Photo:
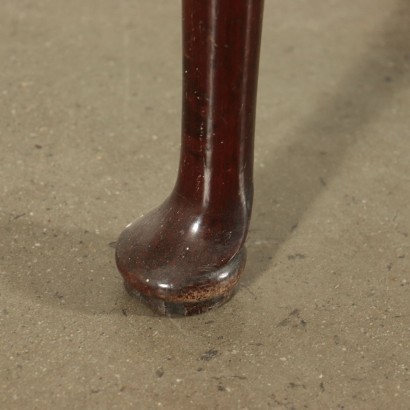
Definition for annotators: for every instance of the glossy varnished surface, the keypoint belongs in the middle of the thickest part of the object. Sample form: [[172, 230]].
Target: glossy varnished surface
[[186, 256]]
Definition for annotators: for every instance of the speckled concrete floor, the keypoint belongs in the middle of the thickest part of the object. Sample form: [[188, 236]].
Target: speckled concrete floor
[[89, 132]]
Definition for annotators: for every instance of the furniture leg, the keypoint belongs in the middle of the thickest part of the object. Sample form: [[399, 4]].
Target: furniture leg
[[186, 256]]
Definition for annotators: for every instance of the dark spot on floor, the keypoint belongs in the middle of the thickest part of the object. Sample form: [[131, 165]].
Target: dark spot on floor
[[293, 320], [322, 181], [209, 354], [239, 377], [293, 227], [293, 385]]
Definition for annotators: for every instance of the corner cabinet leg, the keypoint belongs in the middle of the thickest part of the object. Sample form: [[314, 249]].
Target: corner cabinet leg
[[185, 257]]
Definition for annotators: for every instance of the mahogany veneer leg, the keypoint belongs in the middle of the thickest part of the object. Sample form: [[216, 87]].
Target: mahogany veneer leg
[[185, 256]]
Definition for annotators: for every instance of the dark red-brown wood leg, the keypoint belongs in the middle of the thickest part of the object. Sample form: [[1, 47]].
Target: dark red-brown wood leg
[[186, 256]]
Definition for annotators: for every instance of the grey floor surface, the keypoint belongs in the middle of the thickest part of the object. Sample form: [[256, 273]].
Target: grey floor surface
[[89, 135]]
